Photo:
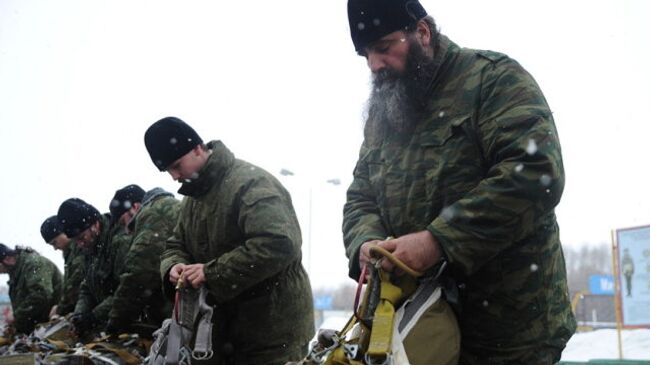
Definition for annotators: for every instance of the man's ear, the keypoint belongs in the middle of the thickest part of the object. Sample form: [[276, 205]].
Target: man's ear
[[197, 150], [423, 33]]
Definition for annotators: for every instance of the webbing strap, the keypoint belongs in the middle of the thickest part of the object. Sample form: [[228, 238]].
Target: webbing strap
[[203, 340], [125, 355], [60, 345], [382, 324], [174, 343]]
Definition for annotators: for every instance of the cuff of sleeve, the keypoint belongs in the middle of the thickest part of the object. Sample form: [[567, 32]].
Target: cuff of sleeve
[[438, 228], [353, 254]]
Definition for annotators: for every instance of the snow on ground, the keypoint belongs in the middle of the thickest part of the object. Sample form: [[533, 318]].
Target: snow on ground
[[603, 344]]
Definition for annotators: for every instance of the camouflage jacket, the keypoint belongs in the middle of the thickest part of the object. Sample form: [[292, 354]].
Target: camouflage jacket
[[483, 173], [101, 271], [239, 221], [34, 287], [139, 294], [73, 275]]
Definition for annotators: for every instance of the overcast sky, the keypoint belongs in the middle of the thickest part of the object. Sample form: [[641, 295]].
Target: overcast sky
[[280, 84]]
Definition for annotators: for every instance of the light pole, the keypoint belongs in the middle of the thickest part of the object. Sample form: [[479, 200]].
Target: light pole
[[333, 181]]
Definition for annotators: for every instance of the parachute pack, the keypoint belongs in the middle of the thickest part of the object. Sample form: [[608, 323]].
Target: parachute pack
[[402, 320], [188, 334], [185, 337], [55, 343]]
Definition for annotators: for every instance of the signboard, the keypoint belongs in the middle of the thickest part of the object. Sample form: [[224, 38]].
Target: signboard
[[323, 302], [601, 284], [632, 251]]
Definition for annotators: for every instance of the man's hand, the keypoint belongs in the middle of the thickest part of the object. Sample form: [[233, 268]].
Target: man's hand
[[53, 313], [175, 273], [419, 251], [364, 252], [194, 275]]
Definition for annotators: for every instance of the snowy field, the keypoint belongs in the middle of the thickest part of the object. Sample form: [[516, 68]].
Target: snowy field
[[603, 344]]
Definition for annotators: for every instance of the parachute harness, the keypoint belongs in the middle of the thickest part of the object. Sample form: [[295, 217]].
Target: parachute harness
[[366, 337]]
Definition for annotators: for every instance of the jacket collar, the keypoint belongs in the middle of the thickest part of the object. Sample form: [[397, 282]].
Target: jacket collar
[[442, 59], [212, 173], [149, 197]]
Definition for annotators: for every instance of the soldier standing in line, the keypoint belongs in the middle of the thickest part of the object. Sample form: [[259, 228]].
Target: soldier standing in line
[[139, 297], [73, 258], [34, 286], [461, 162], [238, 235], [93, 233]]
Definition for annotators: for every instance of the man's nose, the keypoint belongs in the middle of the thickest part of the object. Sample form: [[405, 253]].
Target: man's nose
[[375, 62], [175, 175]]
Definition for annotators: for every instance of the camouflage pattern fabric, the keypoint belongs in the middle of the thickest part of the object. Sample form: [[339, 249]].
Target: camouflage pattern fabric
[[101, 274], [73, 275], [35, 285], [239, 221], [483, 173], [139, 294]]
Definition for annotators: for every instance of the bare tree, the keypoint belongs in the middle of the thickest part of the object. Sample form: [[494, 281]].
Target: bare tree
[[584, 261]]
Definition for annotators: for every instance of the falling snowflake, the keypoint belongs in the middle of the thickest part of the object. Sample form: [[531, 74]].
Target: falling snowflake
[[531, 149], [441, 114], [376, 22], [534, 267], [545, 180], [173, 140], [519, 168], [447, 213], [361, 26]]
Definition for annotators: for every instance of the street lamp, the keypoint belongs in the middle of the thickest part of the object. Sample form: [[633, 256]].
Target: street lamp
[[333, 181]]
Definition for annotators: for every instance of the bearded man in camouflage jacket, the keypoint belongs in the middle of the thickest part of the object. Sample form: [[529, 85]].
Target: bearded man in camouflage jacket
[[238, 235], [461, 162]]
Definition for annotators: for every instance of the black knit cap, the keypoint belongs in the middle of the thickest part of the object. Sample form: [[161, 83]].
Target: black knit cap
[[370, 20], [51, 228], [75, 215], [6, 251], [169, 139], [124, 199]]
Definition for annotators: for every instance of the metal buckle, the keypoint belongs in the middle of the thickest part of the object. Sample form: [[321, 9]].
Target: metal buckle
[[351, 350], [319, 356], [386, 361], [200, 355]]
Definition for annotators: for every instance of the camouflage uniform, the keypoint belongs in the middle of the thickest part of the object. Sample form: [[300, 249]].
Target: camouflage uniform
[[238, 220], [139, 294], [34, 287], [483, 173], [102, 268], [73, 275]]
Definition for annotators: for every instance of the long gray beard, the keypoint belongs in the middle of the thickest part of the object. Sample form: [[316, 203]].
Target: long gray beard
[[397, 101], [389, 104]]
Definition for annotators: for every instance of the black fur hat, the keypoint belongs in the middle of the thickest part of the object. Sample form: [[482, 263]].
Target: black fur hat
[[370, 20], [75, 215], [51, 228], [169, 139]]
